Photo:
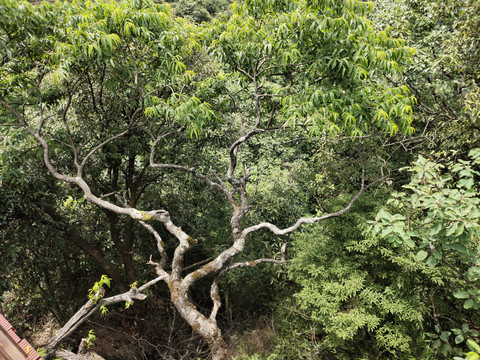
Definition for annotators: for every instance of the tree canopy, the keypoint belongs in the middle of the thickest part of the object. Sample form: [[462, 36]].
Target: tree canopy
[[150, 143]]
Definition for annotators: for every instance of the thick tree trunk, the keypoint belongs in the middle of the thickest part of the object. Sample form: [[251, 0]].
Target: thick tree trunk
[[207, 328], [219, 348]]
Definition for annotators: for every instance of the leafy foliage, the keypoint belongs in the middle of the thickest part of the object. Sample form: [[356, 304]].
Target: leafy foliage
[[323, 61], [200, 10], [103, 82], [441, 76], [355, 296], [433, 229], [443, 222]]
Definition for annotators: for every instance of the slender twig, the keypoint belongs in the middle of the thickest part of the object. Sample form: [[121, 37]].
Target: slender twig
[[312, 220], [160, 244], [98, 147]]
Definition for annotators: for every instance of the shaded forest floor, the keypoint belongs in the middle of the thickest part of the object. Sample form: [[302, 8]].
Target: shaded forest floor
[[153, 330]]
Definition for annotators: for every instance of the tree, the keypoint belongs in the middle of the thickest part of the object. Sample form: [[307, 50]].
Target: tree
[[431, 229], [355, 302], [95, 84], [465, 22], [441, 79]]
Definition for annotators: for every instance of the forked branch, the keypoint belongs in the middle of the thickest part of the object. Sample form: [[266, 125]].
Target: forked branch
[[214, 290]]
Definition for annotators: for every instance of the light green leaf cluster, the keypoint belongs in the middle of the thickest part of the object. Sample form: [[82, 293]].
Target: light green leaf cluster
[[186, 110], [91, 339], [104, 280], [444, 219], [97, 29], [326, 59], [139, 47], [354, 292]]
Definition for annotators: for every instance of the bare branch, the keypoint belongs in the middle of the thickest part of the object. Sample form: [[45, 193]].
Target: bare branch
[[291, 65], [137, 72], [68, 355], [67, 128], [234, 150], [255, 129], [303, 220], [197, 264], [215, 296], [16, 114], [254, 263], [217, 264], [11, 125], [91, 307], [160, 244], [186, 241], [194, 172], [214, 290], [311, 220], [240, 70], [92, 93], [99, 146], [42, 141], [219, 186]]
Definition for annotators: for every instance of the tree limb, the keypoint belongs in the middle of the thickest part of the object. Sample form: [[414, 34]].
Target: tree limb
[[160, 244], [214, 290], [92, 306]]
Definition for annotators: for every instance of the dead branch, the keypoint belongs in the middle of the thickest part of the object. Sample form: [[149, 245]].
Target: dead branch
[[91, 307]]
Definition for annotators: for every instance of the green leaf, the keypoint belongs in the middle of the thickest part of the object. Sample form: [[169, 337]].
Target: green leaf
[[474, 153], [468, 304], [432, 261], [473, 345], [444, 349], [382, 214], [472, 356], [105, 280], [410, 243], [459, 338], [445, 335], [460, 229], [461, 294], [473, 273], [465, 183], [435, 229], [421, 255], [451, 229], [437, 254]]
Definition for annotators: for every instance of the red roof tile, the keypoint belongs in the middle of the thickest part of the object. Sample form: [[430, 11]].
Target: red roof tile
[[12, 345]]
